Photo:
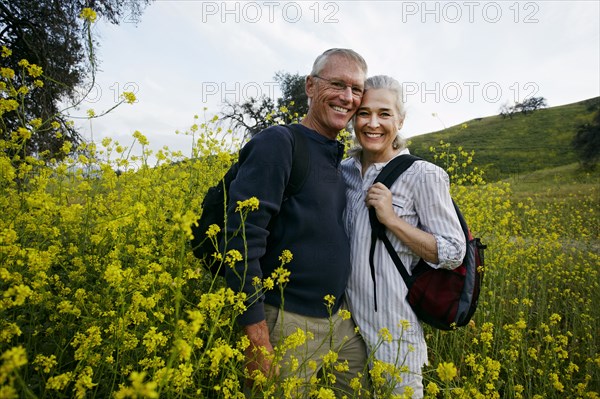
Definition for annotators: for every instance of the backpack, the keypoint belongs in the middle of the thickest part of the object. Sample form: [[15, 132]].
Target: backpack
[[214, 204], [442, 298]]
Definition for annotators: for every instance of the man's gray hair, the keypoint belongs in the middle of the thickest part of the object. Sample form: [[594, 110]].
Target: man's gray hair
[[352, 55]]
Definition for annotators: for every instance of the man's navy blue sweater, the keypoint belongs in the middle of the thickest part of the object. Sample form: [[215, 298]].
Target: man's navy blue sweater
[[308, 223]]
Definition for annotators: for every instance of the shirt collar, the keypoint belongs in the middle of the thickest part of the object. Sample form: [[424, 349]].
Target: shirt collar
[[378, 165]]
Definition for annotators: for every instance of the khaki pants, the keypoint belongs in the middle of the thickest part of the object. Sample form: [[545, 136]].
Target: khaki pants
[[304, 362]]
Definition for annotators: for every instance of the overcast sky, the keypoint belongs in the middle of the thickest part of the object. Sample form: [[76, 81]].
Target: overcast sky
[[458, 60]]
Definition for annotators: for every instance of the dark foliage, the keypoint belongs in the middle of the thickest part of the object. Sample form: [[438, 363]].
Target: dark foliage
[[586, 142], [255, 114], [50, 34], [526, 107]]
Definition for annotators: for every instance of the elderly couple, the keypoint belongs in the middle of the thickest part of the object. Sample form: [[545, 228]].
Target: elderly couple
[[326, 227]]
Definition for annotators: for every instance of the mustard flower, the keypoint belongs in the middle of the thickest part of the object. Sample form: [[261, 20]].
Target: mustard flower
[[66, 147], [16, 295], [23, 133], [84, 383], [8, 331], [446, 371], [59, 382], [250, 204], [268, 283], [129, 97], [88, 15], [12, 359], [356, 383], [286, 256], [487, 334], [153, 340], [281, 275], [555, 319], [232, 257], [218, 354], [6, 52], [344, 314], [213, 230], [330, 357], [138, 388], [404, 325], [140, 137], [184, 350], [8, 105], [386, 335], [34, 70], [7, 73], [85, 342], [36, 123], [325, 393], [329, 299], [556, 382], [342, 367], [432, 389], [296, 339]]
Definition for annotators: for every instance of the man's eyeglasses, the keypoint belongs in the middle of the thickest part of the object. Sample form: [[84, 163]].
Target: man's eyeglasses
[[339, 85]]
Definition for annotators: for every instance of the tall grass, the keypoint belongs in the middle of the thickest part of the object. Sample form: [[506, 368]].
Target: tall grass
[[102, 297]]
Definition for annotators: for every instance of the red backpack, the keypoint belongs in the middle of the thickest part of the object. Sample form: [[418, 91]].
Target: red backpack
[[442, 298]]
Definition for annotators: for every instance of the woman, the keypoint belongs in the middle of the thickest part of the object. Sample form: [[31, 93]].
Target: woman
[[421, 223]]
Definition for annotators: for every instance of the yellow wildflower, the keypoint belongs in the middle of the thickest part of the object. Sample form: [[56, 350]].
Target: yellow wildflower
[[446, 371], [251, 204], [7, 73], [344, 314], [233, 256], [89, 15], [281, 275], [432, 389], [129, 97], [213, 230], [286, 256], [140, 137], [329, 299], [386, 335]]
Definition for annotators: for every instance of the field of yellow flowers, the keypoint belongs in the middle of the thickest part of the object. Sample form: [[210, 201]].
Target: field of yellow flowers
[[101, 296]]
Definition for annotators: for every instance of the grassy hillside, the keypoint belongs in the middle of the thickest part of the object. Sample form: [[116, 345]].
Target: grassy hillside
[[507, 147], [567, 182]]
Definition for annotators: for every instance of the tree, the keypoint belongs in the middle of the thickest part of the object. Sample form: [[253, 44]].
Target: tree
[[50, 34], [251, 116], [256, 114], [586, 142], [293, 93], [507, 111], [530, 105], [526, 107]]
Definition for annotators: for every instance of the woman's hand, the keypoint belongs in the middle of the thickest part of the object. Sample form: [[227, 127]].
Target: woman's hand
[[420, 242], [380, 198]]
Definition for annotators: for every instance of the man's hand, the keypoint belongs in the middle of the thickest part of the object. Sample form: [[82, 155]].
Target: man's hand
[[259, 354]]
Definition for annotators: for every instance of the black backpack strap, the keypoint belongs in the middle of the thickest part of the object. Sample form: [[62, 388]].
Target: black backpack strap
[[300, 162], [388, 175]]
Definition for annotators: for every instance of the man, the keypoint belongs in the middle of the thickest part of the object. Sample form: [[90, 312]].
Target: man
[[309, 224]]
